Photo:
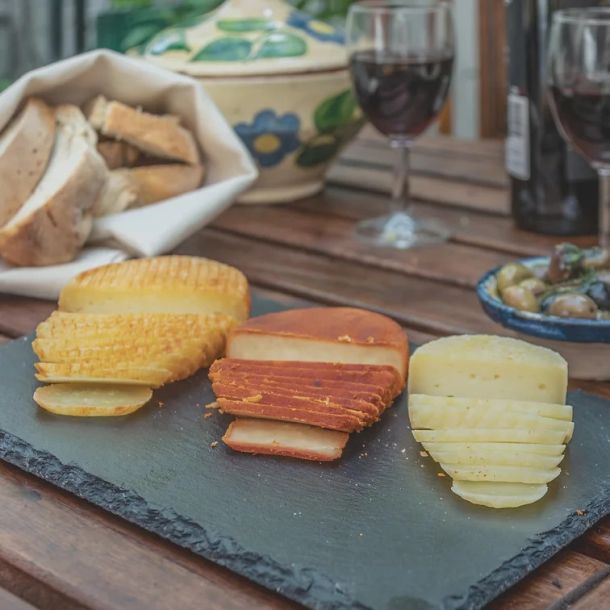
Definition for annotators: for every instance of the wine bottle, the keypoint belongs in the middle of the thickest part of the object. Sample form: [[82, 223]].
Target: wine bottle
[[553, 189]]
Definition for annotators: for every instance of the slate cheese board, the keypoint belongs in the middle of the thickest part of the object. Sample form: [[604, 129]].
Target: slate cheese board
[[376, 530]]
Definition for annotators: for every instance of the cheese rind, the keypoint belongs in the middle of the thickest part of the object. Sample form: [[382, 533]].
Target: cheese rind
[[485, 366]]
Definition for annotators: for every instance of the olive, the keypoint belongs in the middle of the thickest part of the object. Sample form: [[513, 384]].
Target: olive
[[535, 285], [572, 305], [600, 293], [512, 274], [520, 298], [566, 262], [597, 258]]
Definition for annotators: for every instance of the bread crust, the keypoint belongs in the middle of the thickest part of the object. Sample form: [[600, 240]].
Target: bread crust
[[118, 154], [156, 135], [55, 232], [154, 183], [25, 158]]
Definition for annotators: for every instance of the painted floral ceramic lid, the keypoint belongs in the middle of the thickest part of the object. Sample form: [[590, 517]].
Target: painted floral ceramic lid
[[249, 38]]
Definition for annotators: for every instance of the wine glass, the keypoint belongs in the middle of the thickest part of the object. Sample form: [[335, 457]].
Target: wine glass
[[401, 58], [579, 92]]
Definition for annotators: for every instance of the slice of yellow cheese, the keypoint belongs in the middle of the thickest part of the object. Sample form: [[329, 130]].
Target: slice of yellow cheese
[[500, 474], [498, 495], [555, 411], [485, 366]]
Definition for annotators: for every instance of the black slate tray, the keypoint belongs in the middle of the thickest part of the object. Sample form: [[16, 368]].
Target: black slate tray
[[377, 530]]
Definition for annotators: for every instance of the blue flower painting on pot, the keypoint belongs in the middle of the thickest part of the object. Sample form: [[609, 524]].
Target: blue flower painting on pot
[[270, 137]]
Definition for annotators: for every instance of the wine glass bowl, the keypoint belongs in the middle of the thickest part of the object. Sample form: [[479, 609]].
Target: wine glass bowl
[[579, 91], [401, 59]]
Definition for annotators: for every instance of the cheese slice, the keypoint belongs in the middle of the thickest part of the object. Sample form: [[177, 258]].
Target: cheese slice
[[490, 435], [437, 418], [322, 334], [285, 439], [486, 404], [164, 284], [537, 448], [496, 457], [485, 366], [499, 495], [501, 474]]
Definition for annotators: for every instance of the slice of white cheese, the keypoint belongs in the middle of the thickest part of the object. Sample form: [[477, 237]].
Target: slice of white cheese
[[490, 435], [537, 448], [496, 457], [498, 495], [501, 474], [439, 418], [544, 409], [485, 366]]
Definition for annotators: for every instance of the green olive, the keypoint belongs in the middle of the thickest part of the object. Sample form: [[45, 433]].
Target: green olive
[[597, 258], [573, 305], [535, 285], [512, 274], [520, 298]]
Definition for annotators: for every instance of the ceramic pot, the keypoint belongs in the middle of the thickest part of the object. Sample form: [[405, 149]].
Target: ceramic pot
[[281, 79]]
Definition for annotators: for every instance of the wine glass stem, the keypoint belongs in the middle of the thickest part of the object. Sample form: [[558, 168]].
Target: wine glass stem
[[401, 200], [604, 207]]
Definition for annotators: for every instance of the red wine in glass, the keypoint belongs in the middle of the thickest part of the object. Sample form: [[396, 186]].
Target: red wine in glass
[[401, 96], [584, 115]]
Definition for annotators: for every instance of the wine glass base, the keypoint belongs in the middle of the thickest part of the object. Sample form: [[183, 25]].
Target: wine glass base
[[401, 231]]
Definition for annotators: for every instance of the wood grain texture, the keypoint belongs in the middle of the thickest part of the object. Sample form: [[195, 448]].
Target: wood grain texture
[[549, 583], [59, 552], [77, 556]]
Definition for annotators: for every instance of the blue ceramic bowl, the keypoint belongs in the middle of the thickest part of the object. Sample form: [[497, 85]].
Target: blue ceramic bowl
[[538, 325]]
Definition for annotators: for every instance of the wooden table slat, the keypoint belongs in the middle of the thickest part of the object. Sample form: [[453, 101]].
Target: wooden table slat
[[550, 582], [457, 264], [474, 228]]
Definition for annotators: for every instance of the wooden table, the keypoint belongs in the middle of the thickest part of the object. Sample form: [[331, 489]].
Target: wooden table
[[59, 552]]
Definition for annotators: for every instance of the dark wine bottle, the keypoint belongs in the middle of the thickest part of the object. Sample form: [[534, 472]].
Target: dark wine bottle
[[553, 189]]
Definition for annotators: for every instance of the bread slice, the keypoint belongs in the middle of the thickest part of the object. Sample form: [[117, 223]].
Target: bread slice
[[165, 284], [53, 224], [25, 148], [154, 183], [322, 334], [159, 136], [116, 196], [285, 439], [118, 154]]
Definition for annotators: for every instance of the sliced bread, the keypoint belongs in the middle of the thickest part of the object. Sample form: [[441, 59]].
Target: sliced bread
[[25, 148], [154, 183], [116, 196], [118, 154], [158, 136], [55, 221]]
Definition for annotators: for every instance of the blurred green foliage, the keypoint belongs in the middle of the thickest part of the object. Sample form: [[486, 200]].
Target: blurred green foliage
[[133, 23]]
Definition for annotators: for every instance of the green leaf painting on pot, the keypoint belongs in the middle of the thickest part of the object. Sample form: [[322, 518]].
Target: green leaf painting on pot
[[337, 119]]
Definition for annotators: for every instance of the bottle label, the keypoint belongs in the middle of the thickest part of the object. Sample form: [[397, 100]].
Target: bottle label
[[518, 140]]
